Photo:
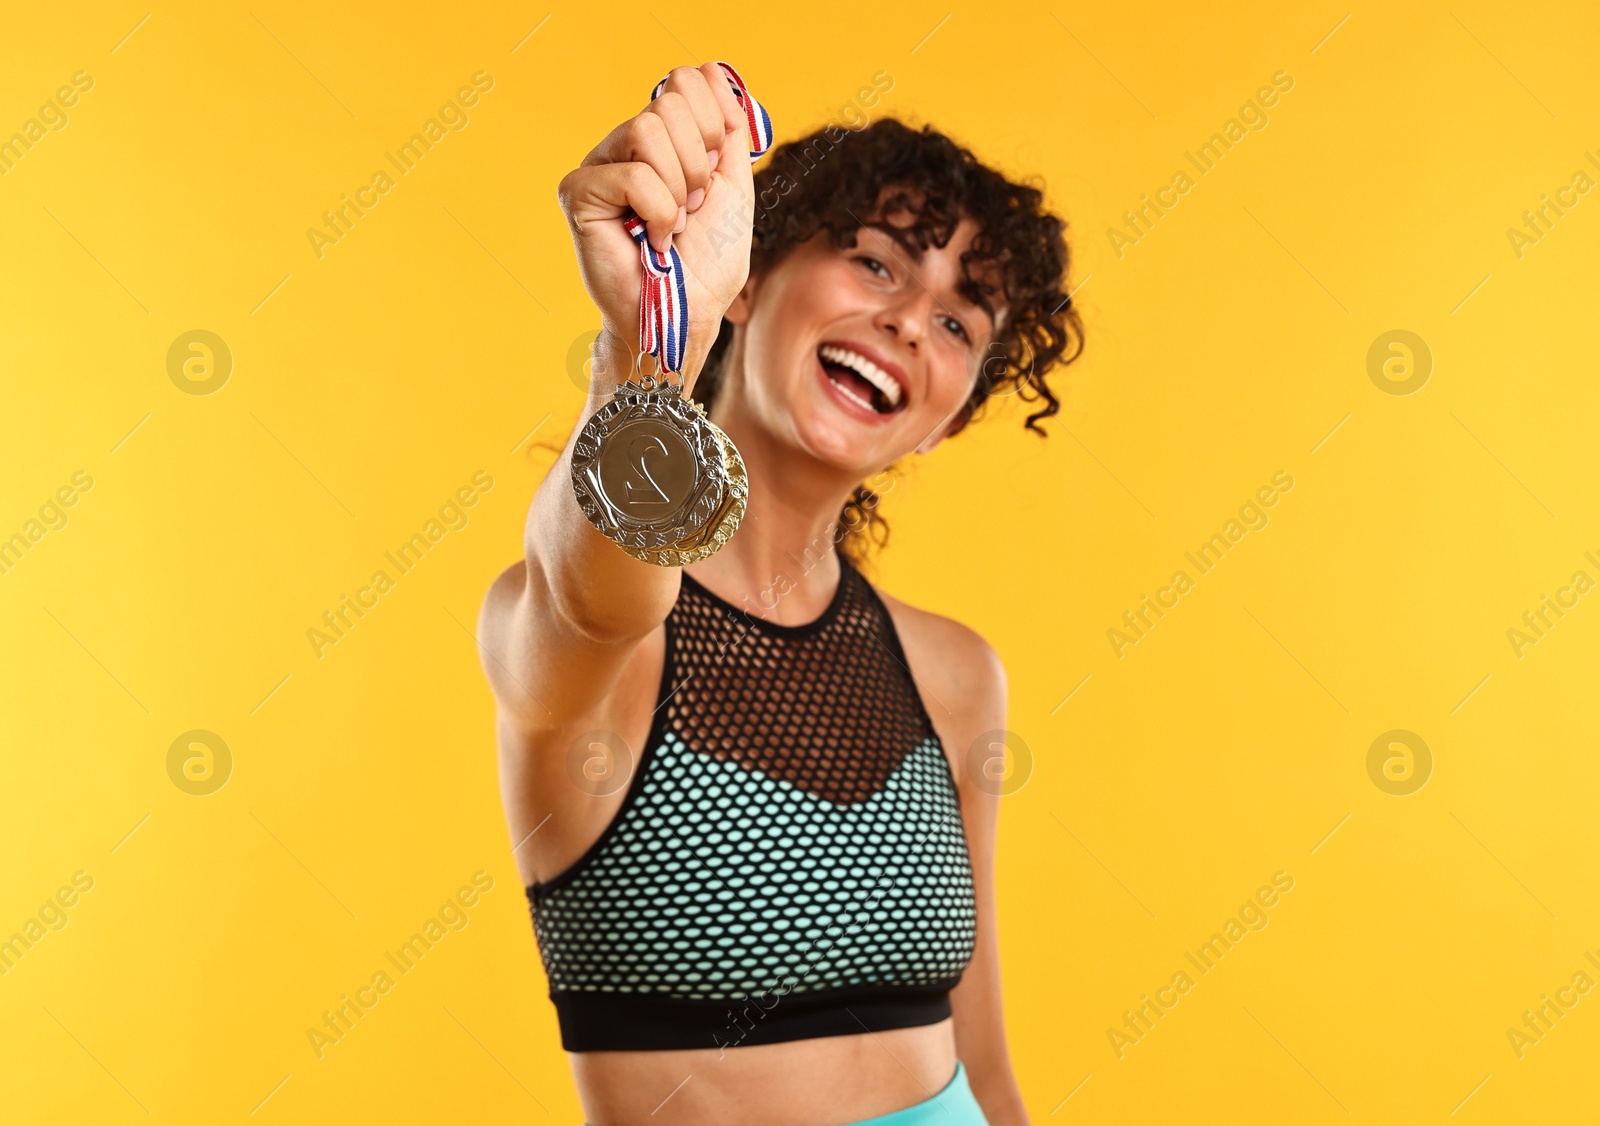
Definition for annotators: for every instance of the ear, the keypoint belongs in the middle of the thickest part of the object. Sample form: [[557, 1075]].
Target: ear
[[739, 311]]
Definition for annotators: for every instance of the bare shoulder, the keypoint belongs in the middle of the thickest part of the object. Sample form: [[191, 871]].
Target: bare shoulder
[[955, 656], [496, 620], [961, 677], [503, 593]]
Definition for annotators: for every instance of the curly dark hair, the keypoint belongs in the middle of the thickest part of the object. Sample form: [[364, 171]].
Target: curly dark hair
[[839, 180]]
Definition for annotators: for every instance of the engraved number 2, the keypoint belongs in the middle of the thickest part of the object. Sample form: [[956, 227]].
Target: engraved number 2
[[637, 452]]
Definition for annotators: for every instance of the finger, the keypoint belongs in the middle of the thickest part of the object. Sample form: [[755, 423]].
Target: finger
[[692, 84], [607, 191], [734, 152], [643, 138], [674, 111]]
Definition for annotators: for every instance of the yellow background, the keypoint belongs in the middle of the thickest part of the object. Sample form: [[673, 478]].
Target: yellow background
[[370, 384]]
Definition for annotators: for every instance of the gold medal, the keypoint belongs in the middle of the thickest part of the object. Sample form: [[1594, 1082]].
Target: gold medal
[[724, 522], [653, 474]]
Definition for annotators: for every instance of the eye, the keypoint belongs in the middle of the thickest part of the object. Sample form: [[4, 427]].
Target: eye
[[957, 327], [873, 264]]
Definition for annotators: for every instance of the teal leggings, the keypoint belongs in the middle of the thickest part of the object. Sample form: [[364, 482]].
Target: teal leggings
[[953, 1106]]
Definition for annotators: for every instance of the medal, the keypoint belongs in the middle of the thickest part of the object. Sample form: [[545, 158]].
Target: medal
[[650, 471], [653, 474]]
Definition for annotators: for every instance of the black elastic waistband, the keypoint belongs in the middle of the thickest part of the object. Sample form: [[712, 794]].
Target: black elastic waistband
[[625, 1022]]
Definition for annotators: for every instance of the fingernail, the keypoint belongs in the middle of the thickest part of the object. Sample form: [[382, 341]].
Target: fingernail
[[683, 221], [696, 197], [712, 157]]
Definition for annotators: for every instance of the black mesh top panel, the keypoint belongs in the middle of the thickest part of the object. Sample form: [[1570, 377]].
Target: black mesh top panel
[[789, 860]]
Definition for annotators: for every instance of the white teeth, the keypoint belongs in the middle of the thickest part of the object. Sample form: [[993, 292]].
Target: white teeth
[[865, 368]]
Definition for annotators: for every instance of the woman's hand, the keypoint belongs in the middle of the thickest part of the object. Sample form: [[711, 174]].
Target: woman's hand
[[683, 165]]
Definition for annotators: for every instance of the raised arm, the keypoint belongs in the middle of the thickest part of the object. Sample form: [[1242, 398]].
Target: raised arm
[[558, 628]]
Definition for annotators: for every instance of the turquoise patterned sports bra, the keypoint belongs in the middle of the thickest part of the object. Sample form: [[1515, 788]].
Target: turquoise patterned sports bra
[[789, 860]]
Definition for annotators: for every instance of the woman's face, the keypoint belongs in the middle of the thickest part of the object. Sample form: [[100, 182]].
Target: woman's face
[[860, 355]]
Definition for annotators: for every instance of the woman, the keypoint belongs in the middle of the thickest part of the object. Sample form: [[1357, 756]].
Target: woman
[[775, 904]]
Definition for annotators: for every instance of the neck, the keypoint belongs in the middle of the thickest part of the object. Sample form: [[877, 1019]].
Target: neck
[[782, 564]]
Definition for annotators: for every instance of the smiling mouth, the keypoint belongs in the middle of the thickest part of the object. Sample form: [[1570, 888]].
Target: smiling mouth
[[860, 380]]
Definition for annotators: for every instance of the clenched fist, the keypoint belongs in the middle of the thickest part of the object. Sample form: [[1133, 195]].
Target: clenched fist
[[683, 165]]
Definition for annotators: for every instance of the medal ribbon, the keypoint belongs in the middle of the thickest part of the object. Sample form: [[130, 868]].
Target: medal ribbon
[[663, 299]]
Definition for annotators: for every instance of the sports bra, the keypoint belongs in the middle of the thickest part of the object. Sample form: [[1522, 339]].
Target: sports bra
[[789, 860]]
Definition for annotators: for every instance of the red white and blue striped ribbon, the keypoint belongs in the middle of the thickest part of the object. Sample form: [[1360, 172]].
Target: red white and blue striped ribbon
[[663, 299]]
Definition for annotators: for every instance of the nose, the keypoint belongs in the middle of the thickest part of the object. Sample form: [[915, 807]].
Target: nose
[[908, 319]]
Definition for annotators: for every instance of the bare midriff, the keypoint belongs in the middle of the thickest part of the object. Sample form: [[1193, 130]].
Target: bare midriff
[[822, 1081]]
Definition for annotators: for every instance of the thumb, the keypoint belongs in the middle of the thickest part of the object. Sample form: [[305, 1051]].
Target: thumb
[[739, 120]]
